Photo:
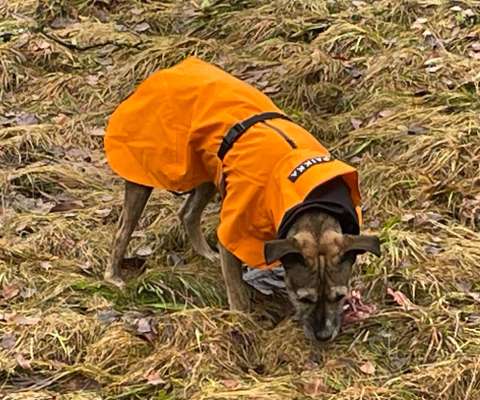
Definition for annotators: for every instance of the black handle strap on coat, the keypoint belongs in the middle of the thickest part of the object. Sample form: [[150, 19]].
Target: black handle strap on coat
[[240, 128]]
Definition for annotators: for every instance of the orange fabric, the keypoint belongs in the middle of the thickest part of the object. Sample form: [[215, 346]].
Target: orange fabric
[[167, 134]]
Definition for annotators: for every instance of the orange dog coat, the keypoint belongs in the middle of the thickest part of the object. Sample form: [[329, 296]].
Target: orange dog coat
[[167, 135]]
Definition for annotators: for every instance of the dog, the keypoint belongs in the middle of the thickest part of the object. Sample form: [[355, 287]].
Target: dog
[[285, 200]]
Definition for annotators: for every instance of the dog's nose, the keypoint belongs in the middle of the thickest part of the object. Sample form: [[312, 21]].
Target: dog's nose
[[323, 335]]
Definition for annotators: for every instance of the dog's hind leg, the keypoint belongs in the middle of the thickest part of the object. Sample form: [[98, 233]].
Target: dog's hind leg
[[135, 199], [191, 213], [238, 293]]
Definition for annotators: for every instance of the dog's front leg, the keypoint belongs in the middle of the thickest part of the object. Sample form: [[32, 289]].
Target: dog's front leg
[[135, 199], [238, 293]]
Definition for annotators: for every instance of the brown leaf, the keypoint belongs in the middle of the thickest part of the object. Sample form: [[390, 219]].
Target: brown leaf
[[46, 265], [26, 119], [368, 368], [154, 378], [386, 113], [144, 251], [10, 291], [401, 299], [407, 217], [315, 387], [230, 383], [92, 80], [418, 24], [416, 130], [8, 341], [434, 68], [97, 132], [67, 205], [355, 309], [22, 361], [23, 320], [136, 11], [42, 44], [60, 119], [475, 55], [356, 123], [142, 27], [143, 325], [103, 212]]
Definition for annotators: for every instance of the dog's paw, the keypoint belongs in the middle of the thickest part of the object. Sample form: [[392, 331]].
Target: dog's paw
[[114, 280]]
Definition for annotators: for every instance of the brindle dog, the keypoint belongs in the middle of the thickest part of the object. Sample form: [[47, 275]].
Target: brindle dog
[[317, 257]]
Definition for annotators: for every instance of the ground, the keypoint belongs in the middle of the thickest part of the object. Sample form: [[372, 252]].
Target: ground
[[389, 86]]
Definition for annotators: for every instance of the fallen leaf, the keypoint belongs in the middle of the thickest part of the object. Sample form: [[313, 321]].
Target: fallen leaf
[[144, 251], [120, 28], [368, 368], [418, 23], [22, 361], [86, 267], [60, 22], [60, 119], [23, 227], [433, 69], [475, 46], [67, 205], [10, 291], [407, 217], [230, 383], [356, 123], [401, 299], [433, 249], [463, 286], [103, 212], [355, 73], [475, 55], [8, 341], [92, 80], [386, 113], [27, 293], [42, 44], [174, 260], [136, 11], [456, 9], [315, 387], [355, 309], [469, 13], [154, 378], [416, 130], [26, 119], [23, 320], [97, 132], [143, 325], [108, 316], [46, 265], [142, 27]]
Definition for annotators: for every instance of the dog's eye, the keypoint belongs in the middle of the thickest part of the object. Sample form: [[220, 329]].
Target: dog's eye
[[339, 297], [306, 300]]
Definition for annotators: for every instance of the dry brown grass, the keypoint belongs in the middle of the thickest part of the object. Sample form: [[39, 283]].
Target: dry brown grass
[[390, 86]]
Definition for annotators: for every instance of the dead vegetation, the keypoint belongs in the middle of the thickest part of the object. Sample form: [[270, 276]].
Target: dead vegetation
[[390, 86]]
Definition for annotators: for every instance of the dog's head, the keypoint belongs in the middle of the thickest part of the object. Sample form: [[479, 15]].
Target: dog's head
[[318, 261]]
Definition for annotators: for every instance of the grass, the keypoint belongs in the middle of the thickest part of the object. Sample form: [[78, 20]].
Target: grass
[[390, 86]]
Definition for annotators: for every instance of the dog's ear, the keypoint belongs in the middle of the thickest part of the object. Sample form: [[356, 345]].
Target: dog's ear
[[276, 249], [361, 243]]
